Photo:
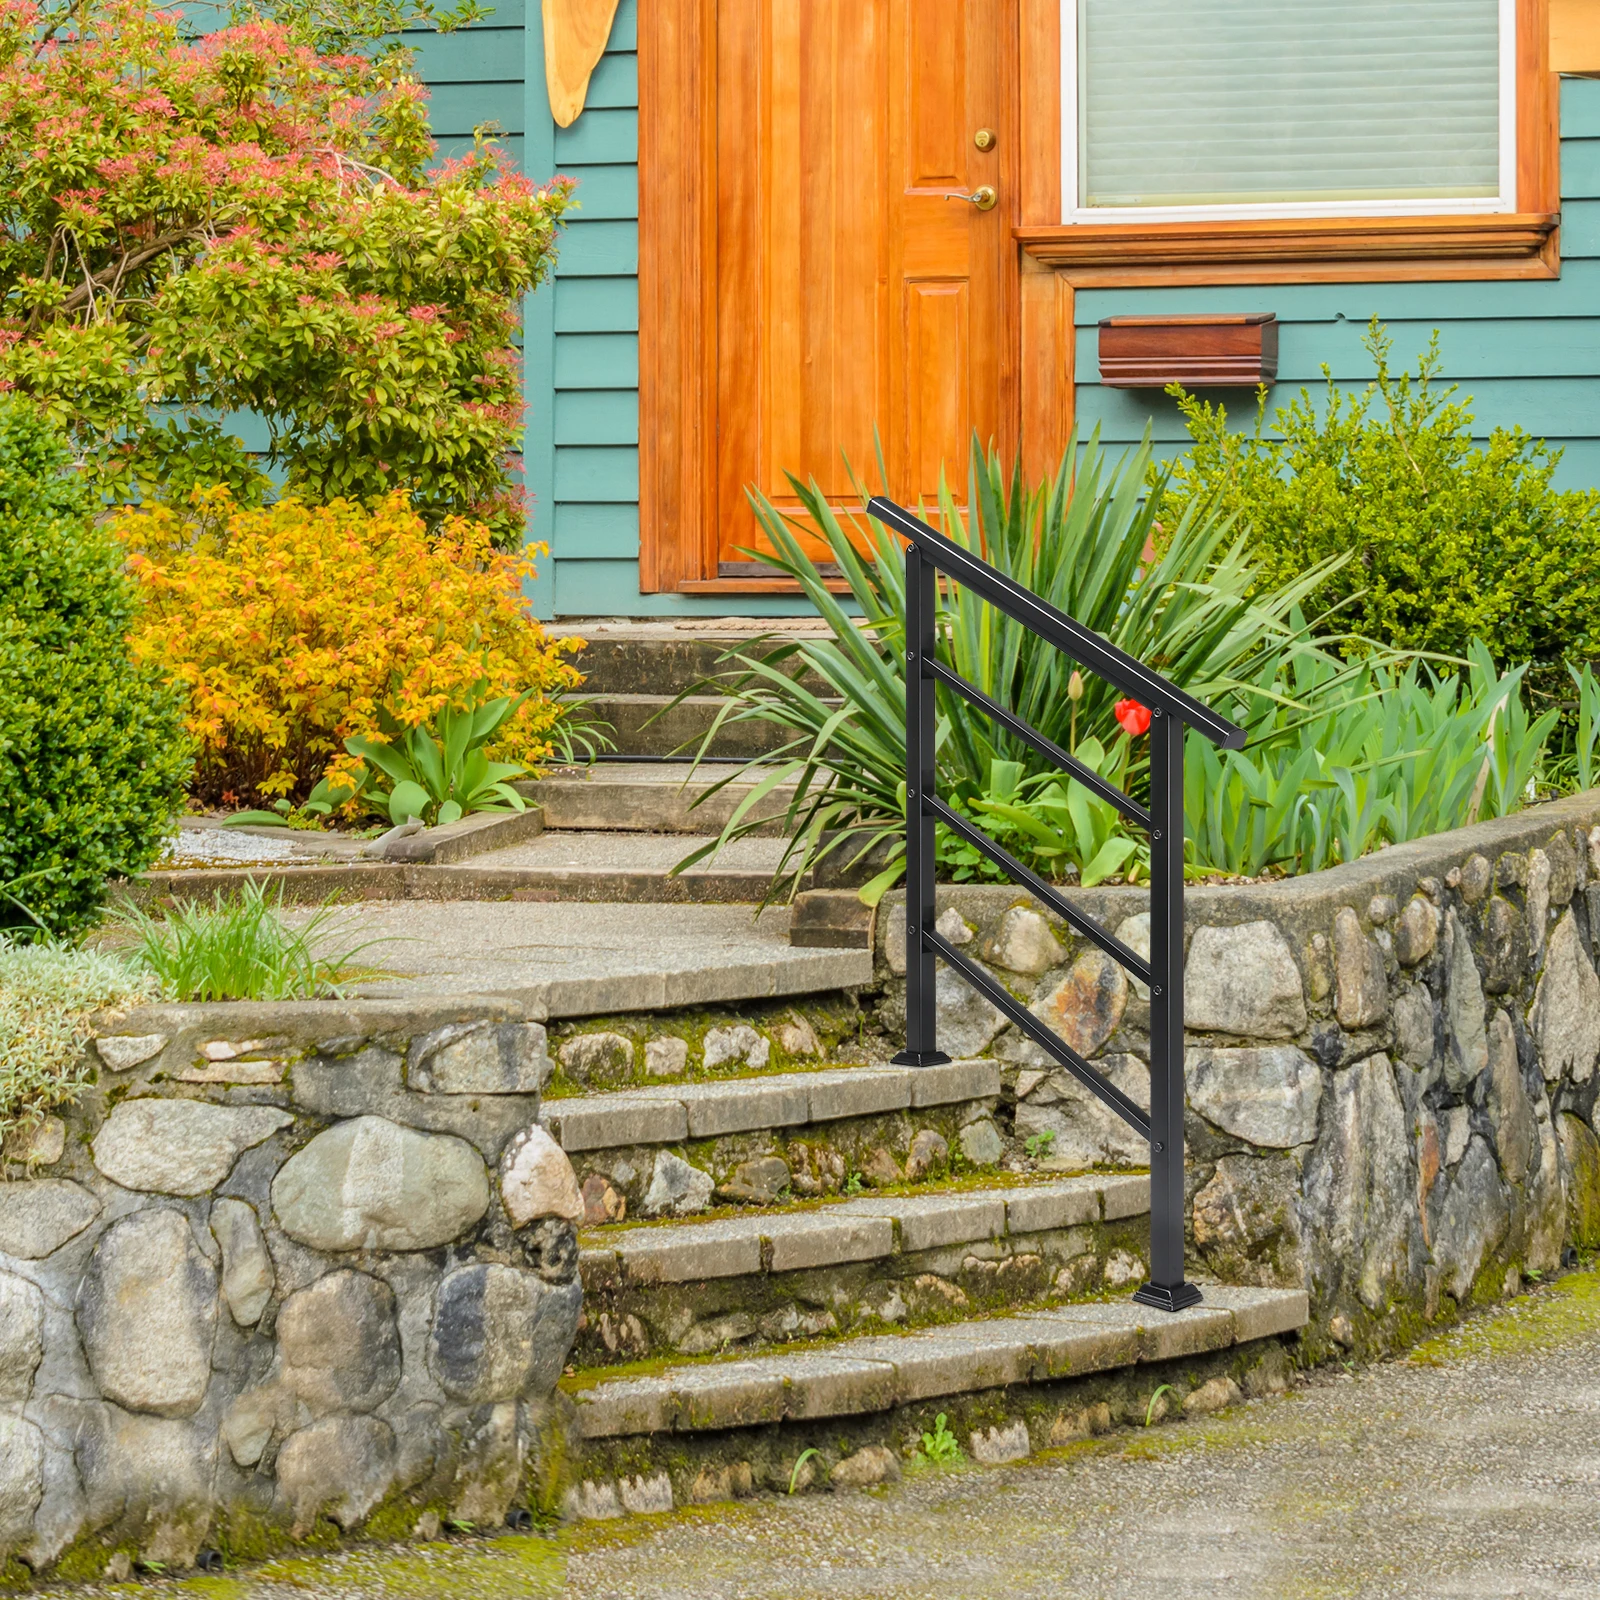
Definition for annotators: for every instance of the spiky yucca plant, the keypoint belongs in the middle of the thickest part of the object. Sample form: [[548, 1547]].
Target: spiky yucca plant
[[1179, 598]]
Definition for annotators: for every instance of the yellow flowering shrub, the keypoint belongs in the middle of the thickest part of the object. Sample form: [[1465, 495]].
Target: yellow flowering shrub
[[289, 627]]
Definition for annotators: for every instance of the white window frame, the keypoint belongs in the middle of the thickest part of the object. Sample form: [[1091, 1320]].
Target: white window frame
[[1071, 113]]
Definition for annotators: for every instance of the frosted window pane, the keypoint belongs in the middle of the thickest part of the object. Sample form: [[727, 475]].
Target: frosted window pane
[[1230, 102]]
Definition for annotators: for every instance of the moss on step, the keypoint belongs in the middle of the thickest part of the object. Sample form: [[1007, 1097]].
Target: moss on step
[[972, 1180], [1060, 1413], [838, 1023], [758, 1313]]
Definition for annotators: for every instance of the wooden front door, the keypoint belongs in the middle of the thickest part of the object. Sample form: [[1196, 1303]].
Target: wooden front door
[[850, 293]]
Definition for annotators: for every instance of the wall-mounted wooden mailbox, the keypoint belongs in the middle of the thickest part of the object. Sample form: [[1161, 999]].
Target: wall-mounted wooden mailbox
[[1238, 349]]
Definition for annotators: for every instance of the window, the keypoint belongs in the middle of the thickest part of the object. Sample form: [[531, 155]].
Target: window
[[1184, 109]]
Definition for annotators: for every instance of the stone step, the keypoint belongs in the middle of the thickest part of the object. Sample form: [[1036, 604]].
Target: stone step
[[665, 658], [885, 1261], [568, 866], [660, 725], [672, 1114], [615, 865], [667, 1150], [1003, 1387], [648, 797], [590, 960]]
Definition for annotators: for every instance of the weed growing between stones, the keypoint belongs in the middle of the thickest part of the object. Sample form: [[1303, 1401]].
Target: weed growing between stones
[[48, 992], [941, 1447], [804, 1456], [1150, 1412]]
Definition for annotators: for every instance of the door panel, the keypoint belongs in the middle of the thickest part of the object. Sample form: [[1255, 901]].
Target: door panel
[[937, 417], [852, 295]]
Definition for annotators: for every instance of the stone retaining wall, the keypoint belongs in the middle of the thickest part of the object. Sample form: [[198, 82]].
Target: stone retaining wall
[[286, 1270], [282, 1268], [1391, 1064]]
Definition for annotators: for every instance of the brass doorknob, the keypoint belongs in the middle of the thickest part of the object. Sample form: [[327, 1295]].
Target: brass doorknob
[[983, 197]]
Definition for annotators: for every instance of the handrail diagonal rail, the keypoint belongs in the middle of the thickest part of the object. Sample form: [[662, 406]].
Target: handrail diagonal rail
[[1086, 775], [1129, 960], [928, 553], [1050, 1042]]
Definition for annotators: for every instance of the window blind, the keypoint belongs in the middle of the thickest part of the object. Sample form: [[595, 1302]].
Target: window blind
[[1230, 102]]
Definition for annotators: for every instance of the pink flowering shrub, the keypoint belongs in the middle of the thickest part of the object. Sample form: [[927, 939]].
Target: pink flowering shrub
[[240, 222]]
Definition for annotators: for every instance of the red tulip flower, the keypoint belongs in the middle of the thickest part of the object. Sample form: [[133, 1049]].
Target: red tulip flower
[[1135, 718]]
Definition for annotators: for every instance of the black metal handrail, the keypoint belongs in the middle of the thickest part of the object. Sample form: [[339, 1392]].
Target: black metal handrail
[[928, 553]]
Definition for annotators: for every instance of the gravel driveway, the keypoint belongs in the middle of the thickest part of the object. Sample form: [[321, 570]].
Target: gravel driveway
[[1472, 1469]]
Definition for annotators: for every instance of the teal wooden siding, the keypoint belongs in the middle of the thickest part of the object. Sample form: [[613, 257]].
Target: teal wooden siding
[[582, 351], [1525, 354], [475, 77]]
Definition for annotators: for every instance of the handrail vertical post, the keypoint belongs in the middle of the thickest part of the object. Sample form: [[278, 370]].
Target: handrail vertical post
[[1167, 1288], [922, 1040]]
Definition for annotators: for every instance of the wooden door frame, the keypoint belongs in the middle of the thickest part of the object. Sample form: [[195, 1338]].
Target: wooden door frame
[[677, 324], [677, 258], [678, 544]]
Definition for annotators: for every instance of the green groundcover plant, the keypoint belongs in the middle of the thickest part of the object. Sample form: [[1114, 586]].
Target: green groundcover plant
[[1451, 541], [93, 753], [48, 993], [242, 947]]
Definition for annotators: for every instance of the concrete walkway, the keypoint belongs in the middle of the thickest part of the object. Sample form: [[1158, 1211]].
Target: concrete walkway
[[1471, 1470], [583, 959]]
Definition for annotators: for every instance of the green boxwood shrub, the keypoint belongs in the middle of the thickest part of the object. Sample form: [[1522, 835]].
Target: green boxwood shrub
[[1451, 540], [93, 752]]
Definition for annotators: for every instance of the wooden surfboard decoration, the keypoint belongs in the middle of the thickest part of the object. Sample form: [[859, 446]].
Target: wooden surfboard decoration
[[575, 34]]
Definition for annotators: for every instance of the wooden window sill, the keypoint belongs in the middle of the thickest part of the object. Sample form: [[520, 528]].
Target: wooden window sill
[[1296, 250]]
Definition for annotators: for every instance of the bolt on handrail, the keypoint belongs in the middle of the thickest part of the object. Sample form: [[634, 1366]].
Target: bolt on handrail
[[928, 553]]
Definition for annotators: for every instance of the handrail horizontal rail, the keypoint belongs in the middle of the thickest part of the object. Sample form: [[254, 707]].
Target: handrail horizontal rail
[[1079, 643], [1087, 776], [1128, 959], [1049, 1041]]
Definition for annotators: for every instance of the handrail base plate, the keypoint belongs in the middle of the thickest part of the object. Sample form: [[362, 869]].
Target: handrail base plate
[[920, 1058], [1164, 1298]]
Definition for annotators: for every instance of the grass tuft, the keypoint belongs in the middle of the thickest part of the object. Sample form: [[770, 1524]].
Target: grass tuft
[[239, 948]]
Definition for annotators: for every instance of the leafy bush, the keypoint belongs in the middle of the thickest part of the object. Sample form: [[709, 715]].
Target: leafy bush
[[1347, 766], [48, 992], [240, 223], [93, 754], [240, 948], [1451, 542], [293, 628], [1197, 612]]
